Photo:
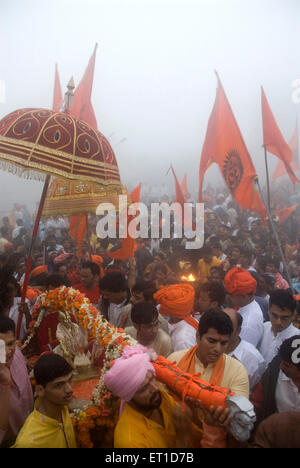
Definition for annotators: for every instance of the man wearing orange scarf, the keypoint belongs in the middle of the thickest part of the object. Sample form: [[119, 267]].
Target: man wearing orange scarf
[[241, 286], [177, 303], [208, 358]]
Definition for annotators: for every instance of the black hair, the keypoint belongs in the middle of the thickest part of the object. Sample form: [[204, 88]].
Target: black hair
[[91, 266], [273, 261], [216, 319], [54, 280], [113, 281], [4, 231], [215, 290], [148, 288], [7, 324], [287, 350], [144, 313], [283, 299], [50, 367], [239, 320], [39, 280]]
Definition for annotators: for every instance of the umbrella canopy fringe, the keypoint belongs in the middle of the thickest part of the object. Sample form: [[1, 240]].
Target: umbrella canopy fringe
[[29, 175]]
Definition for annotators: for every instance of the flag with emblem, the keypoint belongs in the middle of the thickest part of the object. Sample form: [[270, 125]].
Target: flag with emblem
[[225, 146]]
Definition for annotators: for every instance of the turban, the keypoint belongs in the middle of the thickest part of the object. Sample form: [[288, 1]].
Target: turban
[[61, 258], [128, 372], [97, 259], [177, 301], [39, 270], [239, 282]]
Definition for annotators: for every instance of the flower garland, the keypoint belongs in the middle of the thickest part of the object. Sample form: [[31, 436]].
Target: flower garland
[[71, 301]]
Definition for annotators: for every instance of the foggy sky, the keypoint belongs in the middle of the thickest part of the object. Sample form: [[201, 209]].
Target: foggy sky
[[154, 81]]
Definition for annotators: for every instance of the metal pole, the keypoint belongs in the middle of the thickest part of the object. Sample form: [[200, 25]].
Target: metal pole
[[29, 259], [275, 235]]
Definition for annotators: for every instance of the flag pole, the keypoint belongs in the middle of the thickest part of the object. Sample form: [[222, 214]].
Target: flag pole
[[275, 235], [269, 195], [29, 258], [268, 178]]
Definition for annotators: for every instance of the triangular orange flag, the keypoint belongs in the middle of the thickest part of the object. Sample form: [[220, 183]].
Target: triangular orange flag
[[285, 213], [81, 107], [128, 246], [225, 146], [273, 140], [184, 188], [180, 198], [294, 145], [57, 95]]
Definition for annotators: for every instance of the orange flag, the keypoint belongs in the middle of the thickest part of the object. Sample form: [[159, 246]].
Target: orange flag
[[294, 145], [184, 188], [273, 139], [224, 145], [77, 230], [82, 107], [181, 199], [128, 243], [285, 213], [57, 95]]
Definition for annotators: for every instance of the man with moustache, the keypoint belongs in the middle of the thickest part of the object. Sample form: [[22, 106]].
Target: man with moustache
[[16, 398], [50, 425], [149, 416]]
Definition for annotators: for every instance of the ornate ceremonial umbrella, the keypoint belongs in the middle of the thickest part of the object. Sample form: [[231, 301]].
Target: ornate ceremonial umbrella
[[71, 197], [39, 142]]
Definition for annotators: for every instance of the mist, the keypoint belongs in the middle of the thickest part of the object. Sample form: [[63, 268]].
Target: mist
[[154, 83]]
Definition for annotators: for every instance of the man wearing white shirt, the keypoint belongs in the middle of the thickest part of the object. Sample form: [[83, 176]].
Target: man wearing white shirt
[[243, 351], [241, 287], [279, 388], [282, 313]]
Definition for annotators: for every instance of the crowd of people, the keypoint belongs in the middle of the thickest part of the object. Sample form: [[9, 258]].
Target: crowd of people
[[229, 311]]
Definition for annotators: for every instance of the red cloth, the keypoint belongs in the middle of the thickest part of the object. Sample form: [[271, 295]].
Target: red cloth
[[293, 144], [46, 334], [92, 294]]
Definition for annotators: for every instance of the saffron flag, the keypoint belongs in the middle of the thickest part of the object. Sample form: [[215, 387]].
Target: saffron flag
[[184, 188], [81, 107], [294, 145], [224, 145], [128, 243], [273, 140], [181, 199], [57, 95], [77, 230], [285, 213]]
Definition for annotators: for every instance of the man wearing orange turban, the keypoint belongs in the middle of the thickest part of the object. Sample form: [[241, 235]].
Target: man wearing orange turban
[[177, 303], [240, 287]]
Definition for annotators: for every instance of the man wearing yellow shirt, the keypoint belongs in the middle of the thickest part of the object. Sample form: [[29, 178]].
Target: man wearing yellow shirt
[[206, 263], [209, 359], [50, 425], [150, 417]]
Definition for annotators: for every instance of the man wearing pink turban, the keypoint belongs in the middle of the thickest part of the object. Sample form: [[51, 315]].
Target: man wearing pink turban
[[149, 416]]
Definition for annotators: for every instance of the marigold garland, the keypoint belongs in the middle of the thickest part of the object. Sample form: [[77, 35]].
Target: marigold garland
[[102, 411]]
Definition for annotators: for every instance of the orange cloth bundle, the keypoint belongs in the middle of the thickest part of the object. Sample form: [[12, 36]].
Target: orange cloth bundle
[[177, 301], [190, 385], [239, 282]]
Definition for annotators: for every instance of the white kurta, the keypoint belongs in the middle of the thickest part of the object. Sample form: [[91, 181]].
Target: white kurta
[[252, 360], [270, 343], [253, 323], [182, 334], [287, 395]]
